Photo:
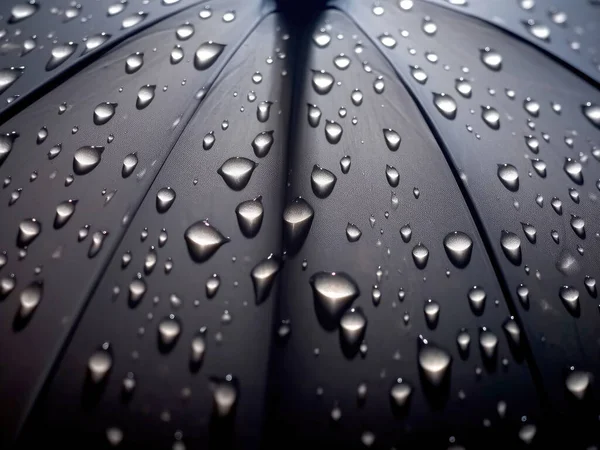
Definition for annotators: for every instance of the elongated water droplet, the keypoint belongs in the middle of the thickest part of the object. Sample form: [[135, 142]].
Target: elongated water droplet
[[6, 144], [137, 289], [64, 211], [420, 255], [322, 181], [29, 229], [334, 293], [458, 247], [353, 233], [357, 97], [104, 112], [508, 175], [198, 348], [463, 87], [262, 143], [532, 143], [573, 169], [129, 164], [250, 216], [177, 54], [432, 313], [463, 341], [345, 164], [145, 96], [207, 54], [203, 240], [314, 115], [578, 226], [30, 298], [491, 58], [212, 285], [578, 383], [531, 106], [225, 395], [406, 232], [133, 20], [263, 110], [418, 74], [434, 364], [445, 104], [488, 342], [512, 330], [263, 275], [164, 199], [333, 131], [100, 363], [169, 330], [392, 139], [590, 285], [539, 166], [491, 117], [134, 62], [570, 298], [477, 298], [322, 81], [537, 29], [98, 238], [95, 41], [8, 77], [591, 111], [22, 11], [379, 85], [392, 175], [400, 393], [86, 159], [523, 294], [353, 325], [530, 232], [59, 54], [236, 172], [297, 218], [511, 246]]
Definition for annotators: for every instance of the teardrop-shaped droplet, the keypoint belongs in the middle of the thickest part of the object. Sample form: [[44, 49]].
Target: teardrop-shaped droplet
[[590, 285], [263, 110], [491, 117], [353, 233], [537, 29], [463, 340], [591, 111], [225, 396], [357, 97], [6, 144], [185, 31], [145, 96], [250, 216], [29, 229], [198, 348], [578, 226], [574, 169], [203, 240], [392, 139], [129, 164], [322, 81], [207, 54], [491, 58], [513, 332], [418, 74], [104, 112], [95, 41], [379, 85], [387, 40], [134, 62], [212, 285], [64, 211], [477, 298], [164, 199], [532, 143], [8, 77], [116, 8], [400, 393], [420, 255], [98, 238], [530, 232], [322, 181], [263, 275], [432, 313], [341, 61], [177, 54], [458, 246], [133, 20], [321, 38], [208, 140], [531, 106], [578, 383], [434, 364], [333, 131], [59, 54], [262, 143], [314, 115], [463, 87], [508, 175], [86, 159], [30, 298], [406, 232], [334, 292], [100, 363], [392, 175], [511, 246], [169, 330], [445, 104], [236, 172], [353, 325], [488, 343], [570, 298], [22, 11], [539, 166], [345, 164], [297, 217]]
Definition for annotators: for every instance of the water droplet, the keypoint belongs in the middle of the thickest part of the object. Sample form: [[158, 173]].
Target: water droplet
[[420, 255], [203, 240], [539, 166], [532, 143], [137, 289], [537, 29], [177, 54], [353, 325], [321, 38], [400, 393], [100, 363], [434, 364], [445, 104], [257, 78], [573, 169], [387, 40], [531, 106], [333, 293], [333, 131], [133, 20], [574, 194], [341, 61], [578, 382], [345, 164], [590, 285], [6, 143], [22, 11], [185, 31], [491, 117], [432, 313], [29, 229], [104, 112], [116, 8], [458, 246], [30, 298], [314, 115], [379, 85], [59, 54], [164, 199], [207, 54], [405, 5], [477, 298], [322, 81], [392, 175], [129, 164], [95, 41], [406, 232], [578, 226], [428, 26], [263, 275], [512, 330], [98, 238], [418, 74], [225, 395], [463, 87], [570, 298], [353, 233], [198, 348], [134, 62], [212, 285], [236, 172], [527, 433], [322, 181], [262, 143], [392, 139], [511, 246], [590, 110], [523, 294], [488, 342], [297, 217], [169, 330], [508, 175], [250, 216], [145, 96], [491, 58], [463, 340], [86, 159], [64, 211], [262, 111], [8, 77]]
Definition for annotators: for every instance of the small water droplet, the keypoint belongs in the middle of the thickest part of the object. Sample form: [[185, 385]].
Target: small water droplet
[[164, 199], [591, 111], [203, 240], [263, 110], [321, 38], [379, 85], [333, 131], [100, 363], [488, 343], [263, 275], [578, 226], [434, 364], [29, 229], [357, 97], [314, 115], [353, 233], [212, 285], [392, 175], [570, 298], [537, 29], [207, 54], [198, 348], [250, 216], [477, 298], [98, 238], [491, 117], [133, 20], [578, 383], [428, 26], [322, 181], [64, 211], [129, 164], [345, 164], [511, 246], [508, 175], [297, 217], [262, 143], [387, 40], [236, 172], [512, 330], [322, 81], [342, 61], [134, 62], [573, 169], [432, 313], [420, 255], [6, 143], [169, 330], [104, 112], [225, 395], [392, 139], [95, 41], [145, 96], [463, 340], [59, 54], [353, 325], [491, 58], [590, 285], [86, 159], [185, 31], [137, 289], [29, 299], [8, 76], [458, 247], [418, 74], [445, 104]]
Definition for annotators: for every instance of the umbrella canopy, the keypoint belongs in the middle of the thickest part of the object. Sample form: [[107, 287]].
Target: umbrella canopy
[[246, 224]]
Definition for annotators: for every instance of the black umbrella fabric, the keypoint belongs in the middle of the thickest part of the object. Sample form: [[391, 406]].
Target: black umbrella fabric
[[251, 225]]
